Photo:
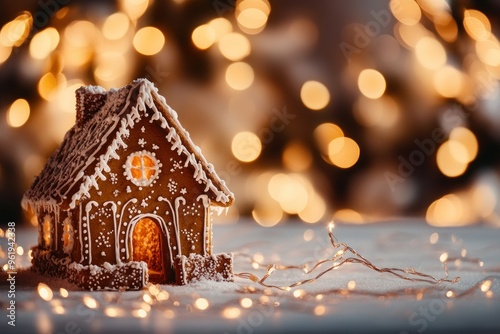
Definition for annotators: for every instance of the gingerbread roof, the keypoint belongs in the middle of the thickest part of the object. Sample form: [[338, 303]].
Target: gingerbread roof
[[104, 120]]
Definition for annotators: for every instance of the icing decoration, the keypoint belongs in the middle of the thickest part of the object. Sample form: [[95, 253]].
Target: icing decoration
[[127, 193]]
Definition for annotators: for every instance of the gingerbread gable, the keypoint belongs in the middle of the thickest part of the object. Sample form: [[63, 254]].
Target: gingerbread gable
[[104, 121]]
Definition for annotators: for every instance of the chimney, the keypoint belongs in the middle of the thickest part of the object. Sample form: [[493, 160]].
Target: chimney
[[89, 101]]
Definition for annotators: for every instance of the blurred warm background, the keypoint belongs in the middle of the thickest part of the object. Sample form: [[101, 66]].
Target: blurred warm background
[[358, 110]]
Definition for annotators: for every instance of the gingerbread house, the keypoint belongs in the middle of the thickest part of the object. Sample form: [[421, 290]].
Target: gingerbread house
[[127, 197]]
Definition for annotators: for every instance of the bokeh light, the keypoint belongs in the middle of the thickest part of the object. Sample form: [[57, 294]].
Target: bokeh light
[[430, 53], [343, 152], [469, 141], [234, 46], [449, 210], [446, 27], [134, 8], [297, 157], [252, 15], [246, 146], [290, 191], [15, 32], [203, 36], [477, 25], [448, 82], [314, 95], [239, 75], [43, 43], [115, 26], [371, 83], [406, 11], [452, 158], [18, 113], [324, 134], [382, 112], [220, 26], [149, 41]]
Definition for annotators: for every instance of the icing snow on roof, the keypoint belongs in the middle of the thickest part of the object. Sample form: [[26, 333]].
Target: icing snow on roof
[[79, 162]]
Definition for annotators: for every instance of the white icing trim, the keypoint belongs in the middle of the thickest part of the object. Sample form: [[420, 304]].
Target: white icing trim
[[108, 121], [88, 208], [80, 234], [175, 219], [115, 229], [163, 228], [124, 257], [206, 204], [177, 202], [142, 182]]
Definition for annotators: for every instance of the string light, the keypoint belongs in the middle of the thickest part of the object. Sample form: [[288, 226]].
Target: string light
[[239, 306], [339, 259]]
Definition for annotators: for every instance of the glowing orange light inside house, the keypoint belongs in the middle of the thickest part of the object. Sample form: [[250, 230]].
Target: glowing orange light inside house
[[47, 232], [147, 247], [143, 167]]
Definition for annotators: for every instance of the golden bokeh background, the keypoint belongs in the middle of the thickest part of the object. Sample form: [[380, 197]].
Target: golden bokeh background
[[360, 111]]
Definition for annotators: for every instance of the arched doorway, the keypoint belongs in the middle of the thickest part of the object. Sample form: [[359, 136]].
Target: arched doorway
[[148, 245]]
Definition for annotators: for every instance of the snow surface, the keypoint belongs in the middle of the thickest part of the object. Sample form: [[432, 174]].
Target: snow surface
[[397, 244]]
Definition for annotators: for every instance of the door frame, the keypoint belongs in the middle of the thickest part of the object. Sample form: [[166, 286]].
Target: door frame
[[165, 247]]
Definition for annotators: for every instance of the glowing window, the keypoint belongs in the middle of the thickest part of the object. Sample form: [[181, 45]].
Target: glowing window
[[68, 238], [141, 168], [47, 232]]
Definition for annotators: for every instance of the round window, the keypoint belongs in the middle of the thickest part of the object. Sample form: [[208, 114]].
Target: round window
[[141, 168]]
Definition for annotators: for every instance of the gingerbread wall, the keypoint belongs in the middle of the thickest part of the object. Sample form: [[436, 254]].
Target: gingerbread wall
[[171, 197]]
